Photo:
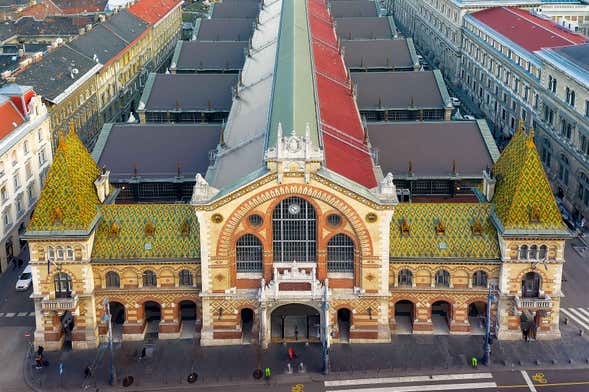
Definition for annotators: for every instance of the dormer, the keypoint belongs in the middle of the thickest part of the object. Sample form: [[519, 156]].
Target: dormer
[[102, 185]]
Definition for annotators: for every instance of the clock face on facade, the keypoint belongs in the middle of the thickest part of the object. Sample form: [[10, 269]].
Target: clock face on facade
[[294, 209]]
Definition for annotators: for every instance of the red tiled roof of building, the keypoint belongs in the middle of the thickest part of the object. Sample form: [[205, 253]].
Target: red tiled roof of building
[[10, 117], [527, 30], [152, 11], [41, 10], [346, 152]]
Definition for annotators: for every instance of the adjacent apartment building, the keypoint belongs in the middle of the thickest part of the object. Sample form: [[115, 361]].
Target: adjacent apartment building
[[25, 156]]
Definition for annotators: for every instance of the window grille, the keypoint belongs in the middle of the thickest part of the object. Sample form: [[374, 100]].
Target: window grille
[[294, 231], [248, 252], [334, 220], [149, 279], [255, 220], [113, 280], [533, 254], [543, 252], [340, 254], [442, 278], [185, 278], [523, 252], [405, 277], [479, 279]]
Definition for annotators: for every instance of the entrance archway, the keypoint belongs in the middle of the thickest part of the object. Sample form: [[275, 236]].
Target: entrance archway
[[441, 315], [247, 325], [117, 314], [67, 323], [477, 313], [187, 316], [152, 312], [404, 316], [295, 322], [344, 320]]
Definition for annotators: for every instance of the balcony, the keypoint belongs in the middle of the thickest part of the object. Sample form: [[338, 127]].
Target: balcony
[[543, 302], [60, 304], [293, 281]]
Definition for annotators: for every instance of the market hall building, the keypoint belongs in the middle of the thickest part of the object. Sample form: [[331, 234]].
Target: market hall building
[[294, 232]]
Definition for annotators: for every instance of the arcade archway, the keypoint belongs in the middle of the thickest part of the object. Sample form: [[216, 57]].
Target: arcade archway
[[295, 323]]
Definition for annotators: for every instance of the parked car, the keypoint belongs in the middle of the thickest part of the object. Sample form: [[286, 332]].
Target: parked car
[[455, 101], [469, 117], [25, 279]]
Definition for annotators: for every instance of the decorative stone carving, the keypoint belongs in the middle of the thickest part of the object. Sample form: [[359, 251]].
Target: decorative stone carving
[[202, 191]]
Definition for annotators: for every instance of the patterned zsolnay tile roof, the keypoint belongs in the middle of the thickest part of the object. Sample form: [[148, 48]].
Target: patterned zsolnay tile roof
[[523, 197], [443, 231], [147, 231], [69, 200]]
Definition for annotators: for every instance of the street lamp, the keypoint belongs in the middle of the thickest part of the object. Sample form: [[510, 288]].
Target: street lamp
[[325, 336], [487, 343], [108, 317]]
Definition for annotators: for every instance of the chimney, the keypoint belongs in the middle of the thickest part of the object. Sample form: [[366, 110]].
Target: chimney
[[488, 184], [102, 185]]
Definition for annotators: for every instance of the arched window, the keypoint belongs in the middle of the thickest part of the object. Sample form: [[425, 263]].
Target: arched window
[[479, 279], [533, 253], [59, 251], [113, 280], [69, 253], [149, 279], [546, 153], [583, 190], [248, 253], [563, 169], [442, 278], [63, 285], [543, 252], [531, 285], [51, 253], [405, 278], [294, 231], [185, 278], [523, 252], [340, 254]]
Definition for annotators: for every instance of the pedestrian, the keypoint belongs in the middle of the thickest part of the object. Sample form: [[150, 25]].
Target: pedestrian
[[20, 262], [267, 373], [291, 353], [87, 372], [526, 334], [296, 331], [14, 263], [474, 362]]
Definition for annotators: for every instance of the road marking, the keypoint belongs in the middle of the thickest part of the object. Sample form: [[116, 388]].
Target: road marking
[[557, 384], [22, 314], [574, 318], [528, 381], [9, 314], [426, 388], [32, 314], [396, 380], [1, 314], [584, 311]]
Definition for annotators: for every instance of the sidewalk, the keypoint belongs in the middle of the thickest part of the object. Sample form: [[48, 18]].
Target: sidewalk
[[173, 360]]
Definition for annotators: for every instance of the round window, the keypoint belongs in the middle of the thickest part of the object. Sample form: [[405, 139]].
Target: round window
[[255, 220], [334, 220]]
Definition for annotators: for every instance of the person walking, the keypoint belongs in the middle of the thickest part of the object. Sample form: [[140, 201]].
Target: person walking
[[474, 362], [291, 353], [296, 332], [267, 373], [20, 263]]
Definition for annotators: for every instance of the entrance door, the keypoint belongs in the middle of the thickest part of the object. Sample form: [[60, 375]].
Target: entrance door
[[67, 322], [441, 317], [153, 315], [344, 318], [404, 316], [477, 314], [247, 325], [295, 323], [187, 313]]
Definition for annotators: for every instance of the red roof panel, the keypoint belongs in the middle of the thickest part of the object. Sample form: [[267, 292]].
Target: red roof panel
[[152, 11], [10, 117], [527, 30], [343, 135]]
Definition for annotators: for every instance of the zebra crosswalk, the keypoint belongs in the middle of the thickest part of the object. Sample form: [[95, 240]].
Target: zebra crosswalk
[[579, 315], [440, 382], [17, 314]]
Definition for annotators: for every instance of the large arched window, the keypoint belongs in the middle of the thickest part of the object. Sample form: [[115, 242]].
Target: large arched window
[[294, 231], [63, 285], [340, 254], [405, 278], [113, 280], [69, 253], [248, 253], [149, 278], [51, 253], [442, 278], [185, 278], [531, 285], [479, 279]]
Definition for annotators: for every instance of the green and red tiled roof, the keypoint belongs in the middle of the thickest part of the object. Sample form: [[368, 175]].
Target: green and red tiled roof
[[312, 87]]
